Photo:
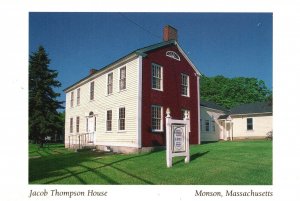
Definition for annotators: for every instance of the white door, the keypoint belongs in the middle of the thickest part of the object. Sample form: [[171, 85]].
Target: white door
[[91, 124], [91, 128]]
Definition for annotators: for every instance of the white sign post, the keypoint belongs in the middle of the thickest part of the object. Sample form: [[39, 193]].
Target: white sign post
[[177, 134]]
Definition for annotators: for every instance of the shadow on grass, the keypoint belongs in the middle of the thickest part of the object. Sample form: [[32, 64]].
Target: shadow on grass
[[60, 165], [192, 157], [46, 150]]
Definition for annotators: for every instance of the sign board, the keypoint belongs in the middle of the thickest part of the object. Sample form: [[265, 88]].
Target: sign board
[[177, 138]]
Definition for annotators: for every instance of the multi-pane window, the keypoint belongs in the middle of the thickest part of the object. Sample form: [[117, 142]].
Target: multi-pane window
[[122, 118], [71, 125], [157, 77], [213, 126], [77, 124], [156, 120], [108, 120], [92, 88], [184, 85], [78, 96], [183, 113], [249, 123], [207, 125], [123, 78], [72, 98], [110, 83], [201, 126]]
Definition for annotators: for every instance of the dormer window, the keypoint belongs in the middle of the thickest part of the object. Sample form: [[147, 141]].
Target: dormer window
[[173, 55]]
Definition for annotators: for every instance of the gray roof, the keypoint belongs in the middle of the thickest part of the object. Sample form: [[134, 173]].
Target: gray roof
[[224, 116], [212, 105], [258, 107]]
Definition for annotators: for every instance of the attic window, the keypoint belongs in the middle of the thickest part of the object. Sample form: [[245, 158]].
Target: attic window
[[173, 55]]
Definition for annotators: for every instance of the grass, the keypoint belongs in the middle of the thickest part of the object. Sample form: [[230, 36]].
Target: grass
[[220, 163]]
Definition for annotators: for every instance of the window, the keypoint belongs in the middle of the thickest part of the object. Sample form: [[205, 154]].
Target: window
[[108, 120], [184, 85], [173, 55], [77, 124], [249, 123], [78, 96], [72, 98], [201, 126], [183, 112], [207, 125], [157, 77], [71, 125], [122, 78], [122, 118], [110, 83], [213, 126], [156, 114], [92, 90]]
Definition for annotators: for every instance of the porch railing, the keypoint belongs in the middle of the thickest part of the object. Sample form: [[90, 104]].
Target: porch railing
[[81, 140]]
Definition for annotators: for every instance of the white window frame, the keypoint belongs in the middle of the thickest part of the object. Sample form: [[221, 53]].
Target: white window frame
[[72, 99], [187, 84], [183, 112], [122, 79], [119, 120], [77, 124], [78, 96], [71, 125], [154, 71], [207, 126], [161, 118], [111, 123], [92, 92], [173, 55], [213, 125], [110, 84], [201, 125], [251, 123]]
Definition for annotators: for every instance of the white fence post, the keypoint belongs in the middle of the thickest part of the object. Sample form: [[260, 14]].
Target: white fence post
[[187, 135], [168, 138]]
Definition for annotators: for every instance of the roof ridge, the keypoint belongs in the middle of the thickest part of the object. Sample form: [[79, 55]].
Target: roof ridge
[[139, 51]]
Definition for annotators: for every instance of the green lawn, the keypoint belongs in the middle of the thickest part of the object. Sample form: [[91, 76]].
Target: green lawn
[[224, 163]]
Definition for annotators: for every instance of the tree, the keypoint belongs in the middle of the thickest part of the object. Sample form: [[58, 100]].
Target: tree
[[44, 119], [230, 92]]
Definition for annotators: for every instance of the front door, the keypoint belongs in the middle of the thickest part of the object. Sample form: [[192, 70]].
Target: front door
[[91, 124], [91, 129]]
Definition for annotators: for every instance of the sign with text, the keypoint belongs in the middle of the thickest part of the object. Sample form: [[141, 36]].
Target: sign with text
[[177, 138]]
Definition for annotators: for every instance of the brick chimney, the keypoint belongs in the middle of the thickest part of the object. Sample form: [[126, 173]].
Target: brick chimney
[[92, 71], [169, 33]]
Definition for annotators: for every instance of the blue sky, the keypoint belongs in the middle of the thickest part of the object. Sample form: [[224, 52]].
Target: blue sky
[[229, 44]]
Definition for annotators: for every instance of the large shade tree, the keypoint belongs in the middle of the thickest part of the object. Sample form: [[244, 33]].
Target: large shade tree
[[230, 92], [44, 118]]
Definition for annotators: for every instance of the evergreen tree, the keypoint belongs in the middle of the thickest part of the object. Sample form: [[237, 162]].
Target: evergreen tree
[[44, 119]]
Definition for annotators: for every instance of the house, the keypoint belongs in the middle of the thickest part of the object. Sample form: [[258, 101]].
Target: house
[[246, 121], [122, 106], [210, 127]]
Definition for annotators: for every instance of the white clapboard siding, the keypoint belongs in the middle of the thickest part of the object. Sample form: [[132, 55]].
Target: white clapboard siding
[[208, 114], [102, 102], [262, 123]]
